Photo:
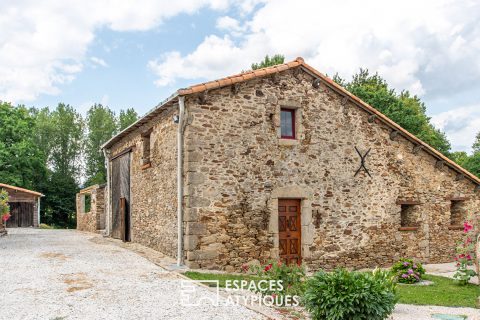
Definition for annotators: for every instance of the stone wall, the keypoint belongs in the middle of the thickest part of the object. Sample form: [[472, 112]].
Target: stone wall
[[153, 188], [93, 219], [237, 168]]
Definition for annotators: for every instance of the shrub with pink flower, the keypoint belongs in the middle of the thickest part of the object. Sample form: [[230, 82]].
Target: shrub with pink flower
[[292, 277], [4, 208], [407, 271], [466, 253]]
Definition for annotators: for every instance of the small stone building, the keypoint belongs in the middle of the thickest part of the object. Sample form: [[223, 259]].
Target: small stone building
[[24, 206], [91, 208], [282, 163]]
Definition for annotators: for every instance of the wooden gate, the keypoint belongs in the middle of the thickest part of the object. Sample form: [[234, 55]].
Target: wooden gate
[[121, 197], [22, 215], [289, 230]]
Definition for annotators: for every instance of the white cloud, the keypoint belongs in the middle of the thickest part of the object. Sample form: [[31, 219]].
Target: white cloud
[[212, 55], [229, 24], [461, 126], [98, 62], [43, 43], [415, 45]]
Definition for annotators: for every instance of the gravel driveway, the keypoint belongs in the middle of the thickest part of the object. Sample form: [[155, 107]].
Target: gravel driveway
[[63, 274]]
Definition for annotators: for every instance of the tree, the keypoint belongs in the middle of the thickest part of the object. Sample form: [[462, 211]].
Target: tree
[[22, 162], [268, 62], [460, 157], [67, 140], [406, 110], [65, 164], [101, 126], [476, 144], [126, 118]]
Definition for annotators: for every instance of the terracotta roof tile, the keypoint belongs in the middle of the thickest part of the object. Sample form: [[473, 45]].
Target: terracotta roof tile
[[3, 185]]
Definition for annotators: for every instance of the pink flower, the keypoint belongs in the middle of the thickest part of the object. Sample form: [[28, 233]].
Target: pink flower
[[245, 267], [467, 227], [469, 257], [279, 263], [6, 216]]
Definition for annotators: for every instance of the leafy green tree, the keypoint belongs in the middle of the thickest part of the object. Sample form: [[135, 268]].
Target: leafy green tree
[[472, 164], [44, 131], [268, 62], [22, 161], [476, 144], [406, 110], [460, 157], [67, 141], [101, 126], [126, 118], [65, 135]]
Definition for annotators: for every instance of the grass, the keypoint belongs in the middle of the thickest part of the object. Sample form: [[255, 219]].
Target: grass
[[443, 292]]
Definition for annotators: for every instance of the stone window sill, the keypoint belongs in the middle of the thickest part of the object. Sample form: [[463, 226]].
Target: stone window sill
[[408, 229], [457, 227], [146, 166], [288, 142]]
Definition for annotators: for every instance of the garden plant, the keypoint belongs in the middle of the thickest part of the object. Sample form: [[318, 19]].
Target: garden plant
[[466, 255], [345, 295], [4, 211], [407, 271]]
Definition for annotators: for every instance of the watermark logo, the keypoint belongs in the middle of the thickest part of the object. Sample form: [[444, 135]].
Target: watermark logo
[[191, 295], [246, 292]]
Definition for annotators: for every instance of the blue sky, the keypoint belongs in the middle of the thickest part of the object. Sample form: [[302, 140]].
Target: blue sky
[[136, 53]]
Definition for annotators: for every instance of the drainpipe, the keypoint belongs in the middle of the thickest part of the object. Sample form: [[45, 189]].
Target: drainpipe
[[38, 212], [107, 203], [181, 113]]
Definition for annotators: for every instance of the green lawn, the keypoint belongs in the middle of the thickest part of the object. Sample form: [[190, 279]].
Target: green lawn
[[444, 291]]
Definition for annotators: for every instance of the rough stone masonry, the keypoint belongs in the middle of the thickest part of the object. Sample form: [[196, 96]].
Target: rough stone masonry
[[237, 167]]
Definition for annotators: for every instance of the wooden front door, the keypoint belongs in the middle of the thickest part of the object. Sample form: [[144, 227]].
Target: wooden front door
[[121, 197], [289, 230], [21, 215]]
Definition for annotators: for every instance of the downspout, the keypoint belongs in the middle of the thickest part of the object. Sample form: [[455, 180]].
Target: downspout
[[38, 211], [107, 203], [181, 113]]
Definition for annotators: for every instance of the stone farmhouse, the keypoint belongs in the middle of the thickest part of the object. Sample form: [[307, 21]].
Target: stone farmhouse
[[282, 163]]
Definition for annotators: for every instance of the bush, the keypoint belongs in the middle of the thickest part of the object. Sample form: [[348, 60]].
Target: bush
[[291, 275], [407, 271], [344, 295], [4, 207]]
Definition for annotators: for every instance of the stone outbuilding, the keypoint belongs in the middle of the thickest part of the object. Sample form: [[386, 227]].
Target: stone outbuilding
[[91, 208], [24, 207], [282, 163]]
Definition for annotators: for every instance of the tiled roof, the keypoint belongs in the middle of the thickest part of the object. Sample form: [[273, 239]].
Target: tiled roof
[[241, 77], [298, 62], [3, 185]]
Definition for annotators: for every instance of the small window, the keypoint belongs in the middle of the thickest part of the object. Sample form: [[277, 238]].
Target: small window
[[409, 216], [457, 212], [87, 201], [146, 148], [287, 124]]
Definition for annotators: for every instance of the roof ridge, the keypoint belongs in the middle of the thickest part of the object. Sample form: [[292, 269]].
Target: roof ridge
[[4, 185]]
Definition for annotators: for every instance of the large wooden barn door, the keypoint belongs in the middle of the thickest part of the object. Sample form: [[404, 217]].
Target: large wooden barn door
[[22, 215], [121, 197], [289, 230]]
